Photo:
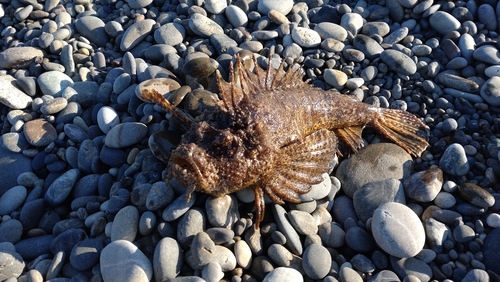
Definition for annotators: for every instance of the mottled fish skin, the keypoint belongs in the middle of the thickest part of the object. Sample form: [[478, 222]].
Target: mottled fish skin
[[276, 134]]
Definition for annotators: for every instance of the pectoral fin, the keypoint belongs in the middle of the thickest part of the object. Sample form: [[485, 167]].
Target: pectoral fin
[[300, 165]]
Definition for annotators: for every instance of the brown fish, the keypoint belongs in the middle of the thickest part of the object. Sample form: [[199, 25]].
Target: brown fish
[[275, 133]]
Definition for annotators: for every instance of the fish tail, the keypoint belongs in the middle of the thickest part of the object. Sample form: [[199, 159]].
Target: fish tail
[[404, 129]]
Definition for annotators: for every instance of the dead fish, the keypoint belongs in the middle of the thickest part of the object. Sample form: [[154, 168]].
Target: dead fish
[[275, 133]]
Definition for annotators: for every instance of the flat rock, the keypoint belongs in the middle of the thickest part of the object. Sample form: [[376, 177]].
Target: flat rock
[[10, 95], [19, 57], [53, 83]]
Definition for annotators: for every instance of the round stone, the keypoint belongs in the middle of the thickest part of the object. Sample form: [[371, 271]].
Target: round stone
[[136, 33], [107, 118], [454, 160], [443, 22], [125, 224], [60, 189], [203, 26], [215, 6], [282, 6], [316, 261], [490, 91], [168, 259], [92, 28], [335, 78], [119, 136], [398, 230], [85, 254], [306, 37], [12, 264], [12, 199], [170, 34], [283, 274], [424, 186], [398, 62], [137, 4], [122, 261], [53, 83]]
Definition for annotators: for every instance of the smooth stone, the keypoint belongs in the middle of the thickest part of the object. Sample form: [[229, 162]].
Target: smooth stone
[[293, 242], [31, 213], [493, 220], [14, 142], [11, 231], [316, 261], [137, 4], [282, 6], [373, 162], [424, 186], [443, 22], [190, 224], [368, 46], [490, 91], [352, 22], [54, 106], [283, 274], [331, 30], [457, 82], [303, 222], [136, 33], [65, 241], [53, 83], [318, 191], [463, 233], [222, 211], [487, 54], [487, 16], [343, 209], [10, 94], [204, 26], [107, 118], [222, 43], [412, 266], [92, 28], [371, 195], [31, 248], [491, 251], [332, 235], [159, 196], [119, 136], [398, 230], [454, 160], [170, 34], [359, 240], [12, 199], [445, 200], [385, 275], [19, 57], [12, 265], [215, 6], [85, 254], [166, 86], [39, 132], [476, 195], [398, 62], [236, 16], [168, 259], [335, 78], [60, 189], [178, 207], [75, 133], [306, 37], [122, 261], [243, 254], [125, 224]]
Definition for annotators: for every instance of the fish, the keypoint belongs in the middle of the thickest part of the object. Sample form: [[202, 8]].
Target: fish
[[276, 134]]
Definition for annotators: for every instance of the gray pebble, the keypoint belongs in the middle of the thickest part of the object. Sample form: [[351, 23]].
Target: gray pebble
[[293, 240], [19, 57], [283, 274], [136, 33], [122, 261], [454, 160], [12, 199], [168, 259], [316, 261], [443, 22], [11, 96], [93, 29], [170, 34], [119, 136], [60, 189]]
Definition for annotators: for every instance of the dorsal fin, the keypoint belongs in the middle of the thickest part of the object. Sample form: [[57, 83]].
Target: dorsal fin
[[243, 83]]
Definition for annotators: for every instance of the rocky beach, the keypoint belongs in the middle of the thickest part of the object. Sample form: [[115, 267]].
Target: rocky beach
[[83, 156]]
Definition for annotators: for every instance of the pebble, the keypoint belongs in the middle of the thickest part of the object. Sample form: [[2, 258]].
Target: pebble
[[331, 30], [371, 195], [60, 189], [476, 195], [305, 37], [404, 267], [398, 230], [292, 237], [203, 26], [398, 62], [283, 274], [53, 83], [170, 34], [12, 264], [424, 186], [10, 95], [85, 254], [236, 16], [443, 22], [491, 92], [19, 57], [316, 261], [168, 259], [39, 132], [454, 160], [92, 28], [125, 224], [335, 78], [123, 261], [12, 199], [119, 137], [282, 6]]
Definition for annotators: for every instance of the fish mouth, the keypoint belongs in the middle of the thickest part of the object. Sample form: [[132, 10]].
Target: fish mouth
[[187, 162]]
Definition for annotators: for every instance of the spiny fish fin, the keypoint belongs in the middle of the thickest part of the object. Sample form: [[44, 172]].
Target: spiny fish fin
[[404, 129], [300, 165], [244, 83], [351, 136], [154, 96]]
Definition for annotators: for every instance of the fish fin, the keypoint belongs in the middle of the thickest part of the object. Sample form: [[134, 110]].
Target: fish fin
[[404, 129], [154, 96], [244, 83], [260, 205], [351, 136], [300, 165]]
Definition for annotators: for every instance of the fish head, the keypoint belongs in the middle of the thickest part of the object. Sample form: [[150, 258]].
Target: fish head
[[214, 161]]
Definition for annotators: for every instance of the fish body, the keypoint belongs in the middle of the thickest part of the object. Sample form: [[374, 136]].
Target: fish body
[[276, 134]]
